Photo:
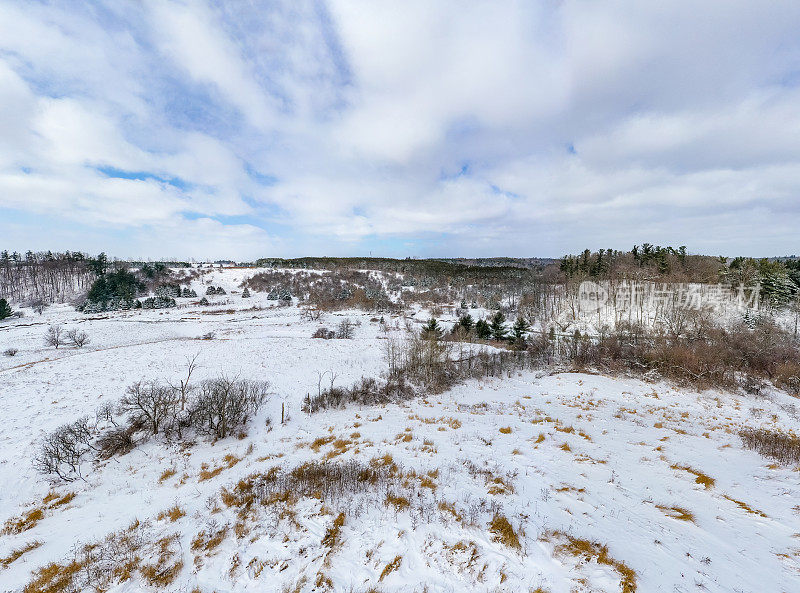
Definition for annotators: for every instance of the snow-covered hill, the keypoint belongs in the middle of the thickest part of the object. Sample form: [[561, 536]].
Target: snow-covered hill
[[533, 482]]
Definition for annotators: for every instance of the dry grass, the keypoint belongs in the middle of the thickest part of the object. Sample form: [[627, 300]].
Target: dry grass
[[587, 551], [504, 532], [173, 513], [700, 477], [209, 540], [391, 567], [27, 521], [206, 474], [17, 553], [744, 506], [781, 446], [498, 485], [506, 430], [677, 512], [321, 442], [333, 534], [117, 558], [168, 473], [400, 503]]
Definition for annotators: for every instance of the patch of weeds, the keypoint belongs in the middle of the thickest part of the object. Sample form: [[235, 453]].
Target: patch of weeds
[[677, 512], [173, 513], [17, 553], [391, 567], [166, 475], [700, 477], [400, 503], [744, 506], [586, 551], [504, 532]]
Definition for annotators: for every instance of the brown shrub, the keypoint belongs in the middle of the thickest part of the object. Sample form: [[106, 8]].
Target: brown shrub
[[782, 446]]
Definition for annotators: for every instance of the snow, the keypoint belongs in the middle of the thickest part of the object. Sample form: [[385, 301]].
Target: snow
[[622, 473]]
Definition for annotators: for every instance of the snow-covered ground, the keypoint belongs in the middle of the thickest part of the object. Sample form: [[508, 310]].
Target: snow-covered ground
[[607, 484]]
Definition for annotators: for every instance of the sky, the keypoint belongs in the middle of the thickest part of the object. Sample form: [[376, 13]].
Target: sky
[[155, 129]]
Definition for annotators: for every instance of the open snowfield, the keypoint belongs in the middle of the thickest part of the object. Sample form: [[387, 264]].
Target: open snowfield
[[534, 482]]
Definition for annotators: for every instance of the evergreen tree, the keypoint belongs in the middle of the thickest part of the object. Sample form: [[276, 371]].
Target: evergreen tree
[[466, 322], [5, 309], [482, 329], [98, 264], [121, 285], [498, 327], [520, 328], [431, 330], [245, 293]]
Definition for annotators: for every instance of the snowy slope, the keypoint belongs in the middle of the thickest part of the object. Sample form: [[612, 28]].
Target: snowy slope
[[655, 473]]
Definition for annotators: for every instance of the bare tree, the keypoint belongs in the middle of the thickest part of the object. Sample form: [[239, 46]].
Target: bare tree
[[77, 338], [183, 388], [346, 329], [39, 305], [61, 452], [150, 402], [54, 336], [224, 404]]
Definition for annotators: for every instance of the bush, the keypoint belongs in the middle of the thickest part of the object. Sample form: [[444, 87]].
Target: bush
[[346, 329], [117, 441], [781, 446], [5, 309], [366, 392], [62, 451], [324, 333], [151, 403], [54, 336], [223, 405], [77, 338], [10, 352]]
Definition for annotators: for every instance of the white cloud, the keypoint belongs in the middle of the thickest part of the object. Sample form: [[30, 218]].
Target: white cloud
[[521, 128]]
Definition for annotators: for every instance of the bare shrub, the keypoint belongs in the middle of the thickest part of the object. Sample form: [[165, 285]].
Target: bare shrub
[[152, 403], [77, 338], [330, 480], [38, 305], [708, 355], [223, 405], [781, 446], [10, 352], [346, 329], [367, 391], [54, 336], [324, 333], [310, 313], [116, 441], [61, 452]]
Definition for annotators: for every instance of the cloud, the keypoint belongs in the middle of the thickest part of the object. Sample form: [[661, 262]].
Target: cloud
[[447, 128]]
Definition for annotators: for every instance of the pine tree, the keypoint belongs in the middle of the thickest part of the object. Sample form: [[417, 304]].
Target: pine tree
[[482, 329], [431, 330], [245, 293], [520, 328], [466, 322], [498, 327], [5, 309]]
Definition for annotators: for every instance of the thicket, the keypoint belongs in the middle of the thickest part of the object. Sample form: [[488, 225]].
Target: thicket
[[45, 276], [217, 408], [781, 446], [703, 354]]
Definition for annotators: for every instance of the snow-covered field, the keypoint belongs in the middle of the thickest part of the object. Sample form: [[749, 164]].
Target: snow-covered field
[[606, 484]]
